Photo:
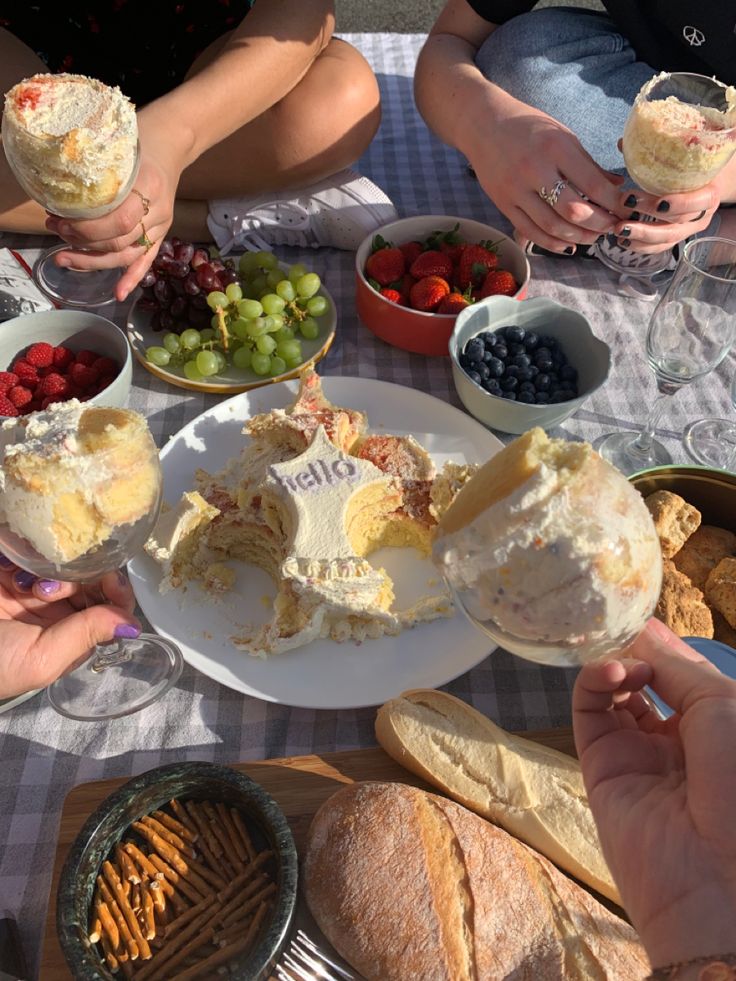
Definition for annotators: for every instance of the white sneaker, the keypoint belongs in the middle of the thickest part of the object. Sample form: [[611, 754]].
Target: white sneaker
[[337, 212]]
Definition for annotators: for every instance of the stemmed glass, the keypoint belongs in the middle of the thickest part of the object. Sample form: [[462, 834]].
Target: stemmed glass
[[712, 442], [690, 333], [63, 284], [124, 676]]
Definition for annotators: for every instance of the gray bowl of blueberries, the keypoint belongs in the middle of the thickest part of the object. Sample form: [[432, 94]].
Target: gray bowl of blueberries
[[519, 364]]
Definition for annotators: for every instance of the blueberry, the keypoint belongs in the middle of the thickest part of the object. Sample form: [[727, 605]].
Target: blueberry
[[527, 397], [488, 338], [542, 398], [491, 385], [512, 371], [464, 360], [568, 373], [526, 374], [557, 395], [534, 370], [474, 376], [522, 360], [527, 386], [541, 352], [558, 359], [483, 371], [531, 340], [509, 383], [515, 349], [542, 382], [488, 355], [496, 367], [515, 334], [500, 351], [549, 342], [474, 349], [511, 396], [544, 364]]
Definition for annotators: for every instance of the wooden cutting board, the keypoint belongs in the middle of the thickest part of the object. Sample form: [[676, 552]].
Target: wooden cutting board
[[299, 784]]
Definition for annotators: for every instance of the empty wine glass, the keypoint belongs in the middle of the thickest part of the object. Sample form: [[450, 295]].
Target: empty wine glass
[[712, 442], [690, 333], [124, 676]]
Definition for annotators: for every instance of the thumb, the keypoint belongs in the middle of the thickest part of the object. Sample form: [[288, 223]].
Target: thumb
[[69, 641]]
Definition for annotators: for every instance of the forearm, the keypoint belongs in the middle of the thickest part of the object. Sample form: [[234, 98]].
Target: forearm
[[261, 62]]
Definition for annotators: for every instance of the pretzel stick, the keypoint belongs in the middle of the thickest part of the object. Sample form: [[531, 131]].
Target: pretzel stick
[[131, 947], [223, 955], [207, 843], [227, 860], [135, 897], [249, 906], [175, 943], [157, 895], [243, 832], [148, 926], [146, 866], [107, 923], [205, 872], [227, 934], [237, 901], [176, 959], [178, 827], [180, 811], [169, 836], [95, 932], [127, 866], [171, 875], [126, 968], [110, 873], [232, 832], [110, 958]]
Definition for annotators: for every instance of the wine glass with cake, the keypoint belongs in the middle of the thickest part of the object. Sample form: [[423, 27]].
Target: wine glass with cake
[[72, 144], [81, 492]]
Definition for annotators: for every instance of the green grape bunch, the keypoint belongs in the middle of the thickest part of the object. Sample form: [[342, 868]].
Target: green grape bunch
[[257, 324]]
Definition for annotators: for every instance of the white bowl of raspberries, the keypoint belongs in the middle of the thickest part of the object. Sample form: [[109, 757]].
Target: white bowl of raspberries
[[520, 365], [415, 275], [57, 355]]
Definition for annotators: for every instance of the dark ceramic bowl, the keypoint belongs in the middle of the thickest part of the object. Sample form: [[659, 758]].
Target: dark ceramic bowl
[[146, 793]]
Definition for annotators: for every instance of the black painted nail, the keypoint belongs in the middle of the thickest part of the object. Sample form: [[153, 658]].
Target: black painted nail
[[626, 230], [570, 250], [24, 580], [663, 206], [630, 201], [634, 216], [625, 242]]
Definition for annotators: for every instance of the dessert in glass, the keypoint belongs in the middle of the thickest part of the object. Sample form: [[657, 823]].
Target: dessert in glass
[[551, 552], [80, 492], [72, 144]]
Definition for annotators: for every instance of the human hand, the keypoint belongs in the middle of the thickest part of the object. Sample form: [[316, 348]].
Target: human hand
[[527, 150], [46, 626], [663, 794]]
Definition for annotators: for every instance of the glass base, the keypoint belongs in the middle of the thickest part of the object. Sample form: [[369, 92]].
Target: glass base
[[621, 450], [712, 442], [73, 287], [117, 679]]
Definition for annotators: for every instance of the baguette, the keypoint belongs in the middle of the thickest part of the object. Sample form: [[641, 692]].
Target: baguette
[[536, 793], [409, 885]]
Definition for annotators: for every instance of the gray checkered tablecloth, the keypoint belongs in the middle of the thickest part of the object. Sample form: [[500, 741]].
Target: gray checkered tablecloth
[[44, 756]]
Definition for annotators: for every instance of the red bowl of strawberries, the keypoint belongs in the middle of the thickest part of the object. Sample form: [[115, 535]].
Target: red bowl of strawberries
[[413, 276]]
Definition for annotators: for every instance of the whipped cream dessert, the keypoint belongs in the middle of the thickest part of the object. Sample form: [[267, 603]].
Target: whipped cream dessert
[[72, 143], [552, 551], [672, 146], [307, 500], [73, 475]]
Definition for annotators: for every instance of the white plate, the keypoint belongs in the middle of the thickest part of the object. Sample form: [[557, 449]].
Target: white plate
[[323, 674]]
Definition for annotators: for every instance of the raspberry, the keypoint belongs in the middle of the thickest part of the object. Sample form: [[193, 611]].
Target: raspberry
[[86, 357], [7, 408], [26, 373], [53, 385], [49, 400], [7, 380], [63, 357], [19, 395], [104, 381], [83, 376], [40, 355], [105, 366]]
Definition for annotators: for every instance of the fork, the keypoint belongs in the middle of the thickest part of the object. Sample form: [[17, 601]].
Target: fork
[[305, 961]]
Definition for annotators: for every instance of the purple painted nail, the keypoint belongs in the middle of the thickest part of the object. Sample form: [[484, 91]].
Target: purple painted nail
[[49, 586], [5, 562], [127, 631], [24, 580]]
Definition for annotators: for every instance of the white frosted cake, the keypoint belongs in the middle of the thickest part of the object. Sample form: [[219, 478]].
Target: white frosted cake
[[308, 499]]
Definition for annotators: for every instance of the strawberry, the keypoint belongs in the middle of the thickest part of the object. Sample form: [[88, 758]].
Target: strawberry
[[53, 385], [83, 376], [40, 355], [386, 265], [453, 303], [449, 242], [393, 295], [7, 408], [500, 282], [7, 380], [431, 263], [63, 357], [427, 293], [86, 357], [410, 250], [26, 373], [19, 395], [475, 261]]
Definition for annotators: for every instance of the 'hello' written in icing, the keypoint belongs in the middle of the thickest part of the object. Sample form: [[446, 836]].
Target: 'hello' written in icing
[[318, 475]]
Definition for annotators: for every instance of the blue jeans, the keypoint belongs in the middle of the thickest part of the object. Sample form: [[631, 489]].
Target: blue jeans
[[574, 65]]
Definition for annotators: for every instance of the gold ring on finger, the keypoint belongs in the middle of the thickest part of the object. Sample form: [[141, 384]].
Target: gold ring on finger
[[552, 196], [146, 202]]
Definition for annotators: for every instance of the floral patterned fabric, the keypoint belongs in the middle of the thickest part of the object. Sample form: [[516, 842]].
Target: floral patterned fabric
[[144, 46]]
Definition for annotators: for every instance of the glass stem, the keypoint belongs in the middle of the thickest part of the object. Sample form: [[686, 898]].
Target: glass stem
[[109, 656], [643, 442]]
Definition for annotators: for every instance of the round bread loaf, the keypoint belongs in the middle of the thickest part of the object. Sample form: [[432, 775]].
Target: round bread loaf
[[406, 884]]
